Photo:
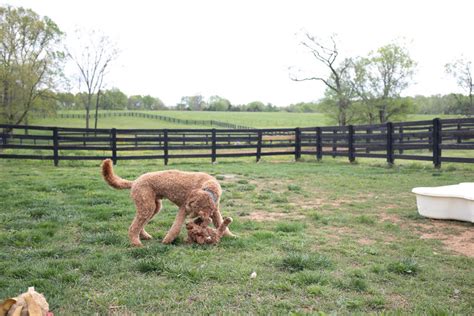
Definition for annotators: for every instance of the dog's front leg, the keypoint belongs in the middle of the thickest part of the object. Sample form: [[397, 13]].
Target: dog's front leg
[[176, 227]]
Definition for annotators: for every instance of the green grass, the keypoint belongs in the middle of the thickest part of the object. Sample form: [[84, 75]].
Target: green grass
[[251, 119], [334, 238]]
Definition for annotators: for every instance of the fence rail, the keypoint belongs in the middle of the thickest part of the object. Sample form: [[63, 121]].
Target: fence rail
[[149, 116], [450, 140]]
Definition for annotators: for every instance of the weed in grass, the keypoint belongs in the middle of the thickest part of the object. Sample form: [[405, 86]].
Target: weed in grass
[[152, 251], [294, 188], [279, 198], [358, 284], [246, 188], [263, 235], [242, 181], [406, 266], [295, 262], [151, 265], [376, 303], [290, 227], [315, 290], [365, 219], [306, 277], [315, 216]]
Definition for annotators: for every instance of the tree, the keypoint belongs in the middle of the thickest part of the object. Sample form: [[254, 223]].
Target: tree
[[192, 103], [337, 79], [151, 103], [379, 80], [216, 103], [114, 99], [29, 58], [92, 58], [255, 106], [461, 70], [65, 100]]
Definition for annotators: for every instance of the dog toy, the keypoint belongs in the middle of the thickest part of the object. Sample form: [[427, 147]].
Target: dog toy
[[199, 231], [30, 303]]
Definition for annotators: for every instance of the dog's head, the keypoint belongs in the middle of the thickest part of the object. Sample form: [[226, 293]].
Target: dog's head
[[201, 203]]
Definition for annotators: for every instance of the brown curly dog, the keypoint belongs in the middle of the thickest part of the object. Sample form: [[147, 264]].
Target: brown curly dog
[[199, 232], [195, 193]]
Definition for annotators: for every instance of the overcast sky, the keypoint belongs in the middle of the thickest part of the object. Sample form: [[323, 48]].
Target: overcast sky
[[242, 49]]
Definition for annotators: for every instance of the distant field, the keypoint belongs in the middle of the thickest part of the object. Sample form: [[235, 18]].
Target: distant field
[[250, 119]]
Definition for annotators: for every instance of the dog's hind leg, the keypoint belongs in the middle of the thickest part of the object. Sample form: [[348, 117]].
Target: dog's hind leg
[[217, 221], [146, 206], [143, 234]]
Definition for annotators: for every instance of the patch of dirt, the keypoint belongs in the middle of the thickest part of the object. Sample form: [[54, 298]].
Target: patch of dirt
[[459, 240], [365, 241], [261, 216], [228, 176], [384, 217], [397, 301]]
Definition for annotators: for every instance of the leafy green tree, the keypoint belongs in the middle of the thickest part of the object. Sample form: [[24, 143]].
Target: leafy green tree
[[135, 102], [114, 99], [29, 58], [65, 100], [216, 103], [255, 106], [462, 71], [379, 79], [151, 103], [303, 107], [192, 103]]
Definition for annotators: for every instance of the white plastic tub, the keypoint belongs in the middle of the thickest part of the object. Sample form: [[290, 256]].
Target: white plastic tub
[[447, 202]]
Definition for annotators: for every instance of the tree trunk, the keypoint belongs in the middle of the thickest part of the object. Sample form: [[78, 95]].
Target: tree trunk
[[382, 115], [96, 109]]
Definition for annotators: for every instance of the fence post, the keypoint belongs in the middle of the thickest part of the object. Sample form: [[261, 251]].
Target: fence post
[[113, 134], [213, 149], [297, 144], [458, 138], [367, 141], [436, 140], [165, 146], [259, 145], [400, 139], [350, 142], [319, 147], [55, 146], [390, 143], [4, 137], [334, 141]]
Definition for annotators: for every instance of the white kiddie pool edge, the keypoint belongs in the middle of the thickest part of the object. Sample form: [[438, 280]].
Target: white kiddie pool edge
[[447, 202]]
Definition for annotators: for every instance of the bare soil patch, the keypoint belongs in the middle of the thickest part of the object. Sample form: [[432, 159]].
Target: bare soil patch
[[455, 237], [261, 216]]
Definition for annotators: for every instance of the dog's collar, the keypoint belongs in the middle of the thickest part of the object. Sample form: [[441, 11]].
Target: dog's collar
[[211, 194]]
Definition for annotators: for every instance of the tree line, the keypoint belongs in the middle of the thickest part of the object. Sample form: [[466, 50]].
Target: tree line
[[368, 88], [359, 89]]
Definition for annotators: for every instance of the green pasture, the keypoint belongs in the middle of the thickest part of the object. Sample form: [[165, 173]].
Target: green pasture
[[250, 119], [326, 236]]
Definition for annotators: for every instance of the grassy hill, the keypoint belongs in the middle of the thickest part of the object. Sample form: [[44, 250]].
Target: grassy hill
[[250, 119]]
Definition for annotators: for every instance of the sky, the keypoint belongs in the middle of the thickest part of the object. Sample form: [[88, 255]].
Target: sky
[[245, 50]]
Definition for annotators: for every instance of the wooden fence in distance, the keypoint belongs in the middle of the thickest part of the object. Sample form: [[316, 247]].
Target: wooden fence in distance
[[148, 116], [447, 140]]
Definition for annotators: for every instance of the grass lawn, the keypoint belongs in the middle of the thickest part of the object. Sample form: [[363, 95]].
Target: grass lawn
[[328, 236], [250, 119]]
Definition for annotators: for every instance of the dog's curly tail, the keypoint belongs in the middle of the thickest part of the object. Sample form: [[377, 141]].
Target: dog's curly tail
[[111, 178]]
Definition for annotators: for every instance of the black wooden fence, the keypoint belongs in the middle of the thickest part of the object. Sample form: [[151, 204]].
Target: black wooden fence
[[447, 140], [145, 115]]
